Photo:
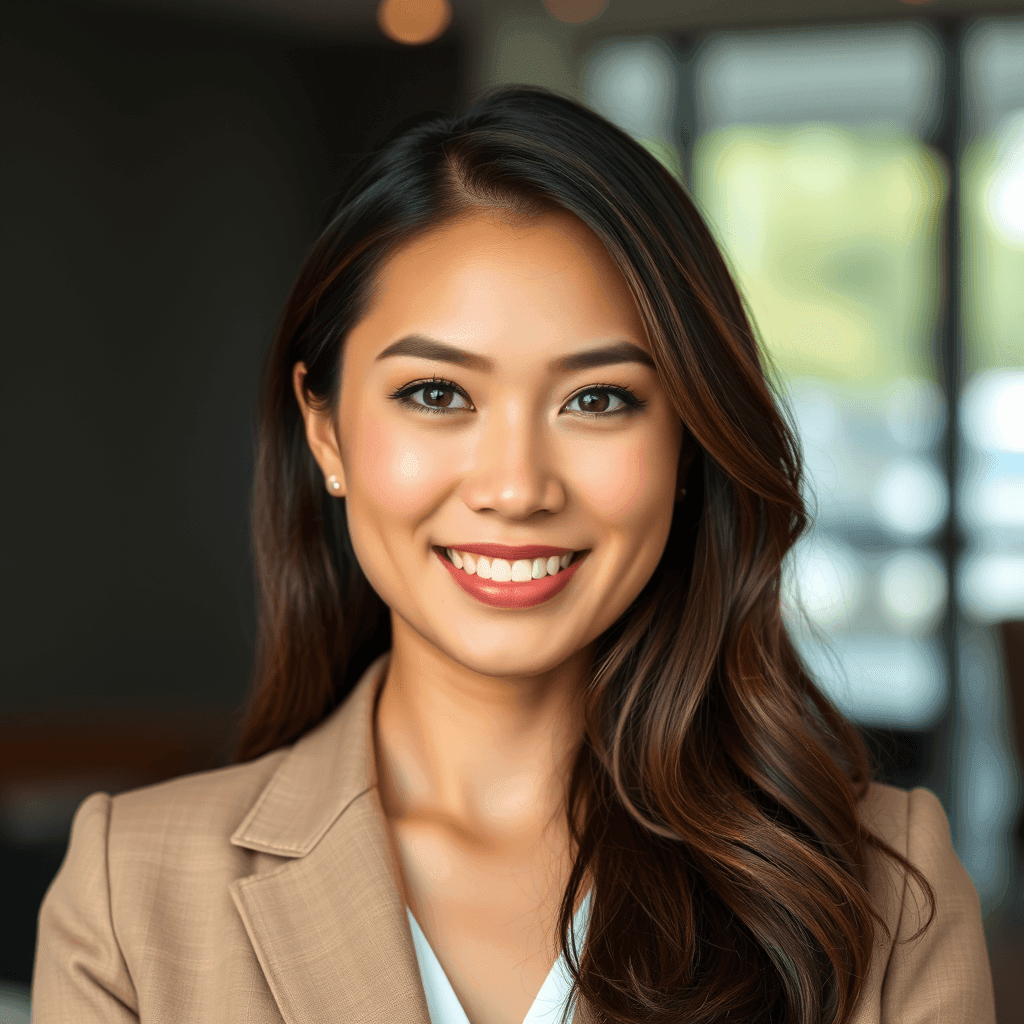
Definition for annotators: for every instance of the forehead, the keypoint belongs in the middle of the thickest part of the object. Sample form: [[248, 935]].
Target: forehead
[[483, 279]]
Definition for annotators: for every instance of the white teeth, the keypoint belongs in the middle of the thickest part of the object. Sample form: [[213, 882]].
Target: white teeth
[[522, 570], [503, 571]]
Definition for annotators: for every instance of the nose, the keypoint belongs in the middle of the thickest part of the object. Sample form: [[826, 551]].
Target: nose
[[515, 469]]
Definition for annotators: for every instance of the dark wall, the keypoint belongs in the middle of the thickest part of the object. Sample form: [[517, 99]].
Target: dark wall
[[160, 182]]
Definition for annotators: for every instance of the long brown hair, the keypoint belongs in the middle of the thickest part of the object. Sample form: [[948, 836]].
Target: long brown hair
[[714, 800]]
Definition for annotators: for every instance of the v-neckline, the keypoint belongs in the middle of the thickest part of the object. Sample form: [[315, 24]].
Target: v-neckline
[[444, 1005]]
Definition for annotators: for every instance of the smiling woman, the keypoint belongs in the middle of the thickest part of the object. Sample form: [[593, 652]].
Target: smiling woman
[[528, 735]]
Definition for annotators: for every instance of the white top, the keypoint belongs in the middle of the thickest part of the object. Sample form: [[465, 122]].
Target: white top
[[444, 1005]]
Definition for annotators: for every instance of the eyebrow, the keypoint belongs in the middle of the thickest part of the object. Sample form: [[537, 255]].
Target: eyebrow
[[422, 347]]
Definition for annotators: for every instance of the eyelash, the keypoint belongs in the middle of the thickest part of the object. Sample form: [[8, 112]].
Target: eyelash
[[404, 394]]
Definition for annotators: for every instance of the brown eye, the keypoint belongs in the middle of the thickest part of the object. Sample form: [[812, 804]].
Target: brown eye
[[604, 401], [595, 401], [438, 397]]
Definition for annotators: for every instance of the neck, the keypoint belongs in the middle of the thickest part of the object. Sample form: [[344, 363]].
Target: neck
[[488, 755]]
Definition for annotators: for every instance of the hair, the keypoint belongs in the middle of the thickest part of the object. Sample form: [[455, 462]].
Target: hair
[[714, 799]]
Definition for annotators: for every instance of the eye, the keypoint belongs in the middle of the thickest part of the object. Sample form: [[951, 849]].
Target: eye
[[605, 400], [436, 396]]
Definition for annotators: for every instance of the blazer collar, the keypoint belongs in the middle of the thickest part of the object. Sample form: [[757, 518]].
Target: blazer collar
[[320, 776], [328, 926]]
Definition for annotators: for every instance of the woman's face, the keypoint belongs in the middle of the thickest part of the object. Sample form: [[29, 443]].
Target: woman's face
[[500, 391]]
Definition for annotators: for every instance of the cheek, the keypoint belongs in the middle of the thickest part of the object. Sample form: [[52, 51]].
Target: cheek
[[400, 471], [628, 483]]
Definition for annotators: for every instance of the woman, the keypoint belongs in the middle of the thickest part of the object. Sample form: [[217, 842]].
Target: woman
[[529, 738]]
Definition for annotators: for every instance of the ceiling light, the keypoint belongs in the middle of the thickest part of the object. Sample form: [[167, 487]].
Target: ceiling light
[[413, 21], [575, 12]]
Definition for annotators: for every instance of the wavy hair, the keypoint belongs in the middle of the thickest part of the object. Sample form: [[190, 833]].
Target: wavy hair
[[714, 799]]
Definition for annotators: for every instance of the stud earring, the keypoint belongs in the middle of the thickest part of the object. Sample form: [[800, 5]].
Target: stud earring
[[333, 481]]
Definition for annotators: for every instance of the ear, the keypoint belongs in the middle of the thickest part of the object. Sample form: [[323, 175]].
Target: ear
[[687, 453], [321, 435]]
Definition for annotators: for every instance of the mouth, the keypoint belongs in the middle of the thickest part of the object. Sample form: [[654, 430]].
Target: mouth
[[511, 583]]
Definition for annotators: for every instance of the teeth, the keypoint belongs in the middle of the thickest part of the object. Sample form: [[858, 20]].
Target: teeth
[[502, 571], [522, 570]]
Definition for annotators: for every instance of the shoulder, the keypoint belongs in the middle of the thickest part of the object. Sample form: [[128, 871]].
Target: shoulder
[[190, 808], [905, 819], [189, 813], [146, 875], [933, 964], [171, 841], [913, 823]]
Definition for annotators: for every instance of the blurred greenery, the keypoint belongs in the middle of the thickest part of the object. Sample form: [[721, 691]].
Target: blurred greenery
[[992, 222], [833, 235]]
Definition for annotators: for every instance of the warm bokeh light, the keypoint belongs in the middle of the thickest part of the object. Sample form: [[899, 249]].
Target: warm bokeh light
[[575, 12], [414, 21]]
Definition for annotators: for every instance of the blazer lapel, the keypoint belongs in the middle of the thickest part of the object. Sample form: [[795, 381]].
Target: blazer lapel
[[328, 925]]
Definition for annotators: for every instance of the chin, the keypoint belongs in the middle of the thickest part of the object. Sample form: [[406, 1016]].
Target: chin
[[504, 652]]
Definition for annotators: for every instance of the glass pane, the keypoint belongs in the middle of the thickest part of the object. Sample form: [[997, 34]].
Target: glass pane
[[990, 508], [992, 411], [811, 169]]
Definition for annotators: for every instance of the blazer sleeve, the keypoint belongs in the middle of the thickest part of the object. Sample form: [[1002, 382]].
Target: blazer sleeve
[[942, 976], [80, 974]]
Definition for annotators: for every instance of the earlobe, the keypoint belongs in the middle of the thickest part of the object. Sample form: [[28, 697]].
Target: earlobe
[[321, 435]]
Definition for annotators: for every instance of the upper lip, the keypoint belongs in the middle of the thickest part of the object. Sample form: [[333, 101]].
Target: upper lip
[[510, 552]]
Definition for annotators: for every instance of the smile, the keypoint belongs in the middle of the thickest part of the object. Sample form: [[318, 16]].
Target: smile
[[501, 570], [511, 583]]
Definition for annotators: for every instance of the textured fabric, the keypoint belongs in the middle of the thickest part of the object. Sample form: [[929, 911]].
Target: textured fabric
[[443, 1004], [264, 893]]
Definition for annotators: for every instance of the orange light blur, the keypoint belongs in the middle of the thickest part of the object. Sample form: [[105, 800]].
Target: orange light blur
[[575, 12], [413, 21]]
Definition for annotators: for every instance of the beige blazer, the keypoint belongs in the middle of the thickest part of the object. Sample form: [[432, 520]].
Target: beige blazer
[[263, 892]]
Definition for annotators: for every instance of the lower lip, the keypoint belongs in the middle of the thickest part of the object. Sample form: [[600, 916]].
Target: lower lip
[[511, 595]]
